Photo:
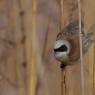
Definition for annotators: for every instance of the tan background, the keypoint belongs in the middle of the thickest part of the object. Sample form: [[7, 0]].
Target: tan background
[[16, 27]]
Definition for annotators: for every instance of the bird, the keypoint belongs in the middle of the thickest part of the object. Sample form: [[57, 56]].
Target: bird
[[67, 46]]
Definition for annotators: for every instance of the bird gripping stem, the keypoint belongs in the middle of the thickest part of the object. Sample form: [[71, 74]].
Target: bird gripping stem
[[62, 66], [63, 86]]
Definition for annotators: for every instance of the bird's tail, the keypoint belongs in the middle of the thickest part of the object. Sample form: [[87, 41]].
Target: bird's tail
[[88, 39]]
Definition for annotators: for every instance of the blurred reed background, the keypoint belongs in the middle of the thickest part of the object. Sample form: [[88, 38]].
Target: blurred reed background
[[28, 29]]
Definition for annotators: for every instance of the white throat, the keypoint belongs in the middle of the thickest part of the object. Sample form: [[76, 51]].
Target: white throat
[[61, 56]]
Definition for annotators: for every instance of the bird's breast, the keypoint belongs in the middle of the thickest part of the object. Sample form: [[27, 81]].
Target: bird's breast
[[61, 56]]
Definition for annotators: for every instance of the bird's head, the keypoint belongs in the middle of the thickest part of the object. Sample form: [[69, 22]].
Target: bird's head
[[61, 50]]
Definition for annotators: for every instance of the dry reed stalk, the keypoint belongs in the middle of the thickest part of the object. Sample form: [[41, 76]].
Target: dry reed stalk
[[62, 13], [63, 84], [45, 41], [18, 71], [36, 66], [32, 78]]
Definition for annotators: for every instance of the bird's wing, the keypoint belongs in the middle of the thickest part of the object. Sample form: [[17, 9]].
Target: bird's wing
[[73, 28], [87, 39]]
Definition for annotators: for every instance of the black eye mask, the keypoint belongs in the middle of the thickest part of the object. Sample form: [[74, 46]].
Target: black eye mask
[[61, 49]]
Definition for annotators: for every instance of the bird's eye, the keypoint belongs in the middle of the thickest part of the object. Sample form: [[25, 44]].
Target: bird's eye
[[61, 49]]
